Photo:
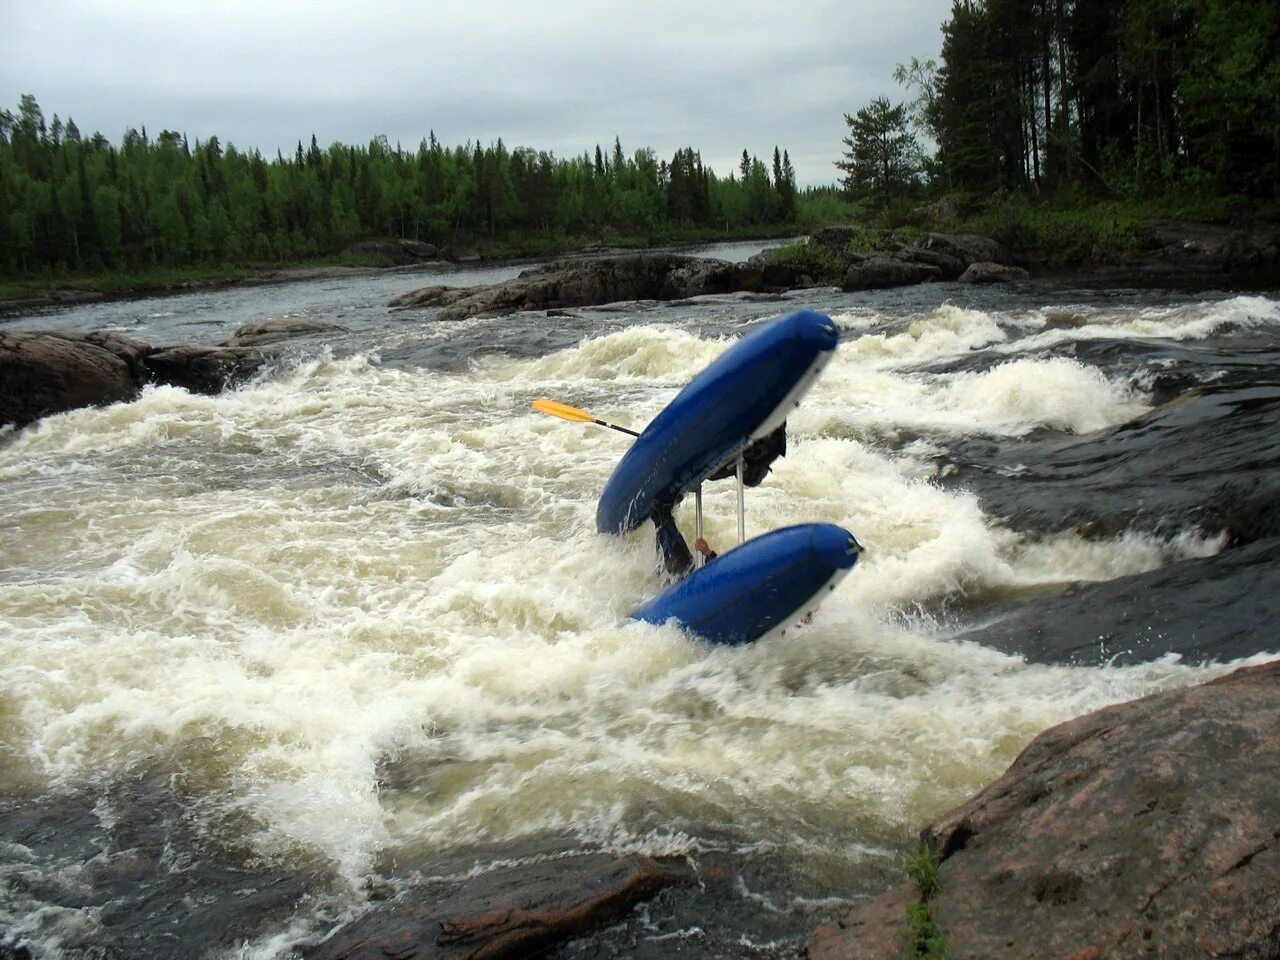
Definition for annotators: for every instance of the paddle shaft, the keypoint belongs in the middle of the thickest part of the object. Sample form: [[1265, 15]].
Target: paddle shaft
[[577, 415], [614, 426]]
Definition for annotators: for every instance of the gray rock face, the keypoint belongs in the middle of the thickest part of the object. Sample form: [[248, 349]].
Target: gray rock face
[[776, 276], [884, 271], [580, 283], [1149, 828], [44, 373], [992, 273], [951, 266], [968, 248], [262, 332]]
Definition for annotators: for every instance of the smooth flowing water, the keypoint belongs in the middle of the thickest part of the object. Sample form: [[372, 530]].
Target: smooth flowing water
[[349, 628]]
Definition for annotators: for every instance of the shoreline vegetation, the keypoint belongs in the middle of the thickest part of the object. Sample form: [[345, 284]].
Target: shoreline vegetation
[[67, 288], [1061, 130], [1103, 240]]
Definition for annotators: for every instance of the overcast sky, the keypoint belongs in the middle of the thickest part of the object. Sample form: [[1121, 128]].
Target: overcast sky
[[560, 76]]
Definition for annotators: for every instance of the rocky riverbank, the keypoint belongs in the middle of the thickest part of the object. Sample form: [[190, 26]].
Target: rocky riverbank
[[43, 373], [568, 283], [850, 258], [1150, 828]]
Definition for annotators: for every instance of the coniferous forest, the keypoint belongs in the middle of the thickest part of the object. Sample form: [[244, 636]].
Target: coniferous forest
[[1063, 102], [70, 202], [1095, 98]]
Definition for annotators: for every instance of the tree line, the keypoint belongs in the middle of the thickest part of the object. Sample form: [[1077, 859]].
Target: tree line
[[70, 202], [1121, 98]]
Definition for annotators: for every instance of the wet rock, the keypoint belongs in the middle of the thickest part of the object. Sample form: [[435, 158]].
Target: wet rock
[[519, 911], [1149, 828], [91, 875], [262, 332], [397, 252], [580, 283], [435, 296], [43, 373], [206, 370], [987, 272], [1201, 610], [883, 271]]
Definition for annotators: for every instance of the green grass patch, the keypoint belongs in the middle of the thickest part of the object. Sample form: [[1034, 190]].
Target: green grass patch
[[811, 257], [925, 940]]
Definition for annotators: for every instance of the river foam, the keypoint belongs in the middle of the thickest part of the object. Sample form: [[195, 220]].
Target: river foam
[[368, 603]]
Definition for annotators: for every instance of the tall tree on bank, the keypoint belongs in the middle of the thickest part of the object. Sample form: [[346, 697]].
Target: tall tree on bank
[[1119, 98], [882, 158]]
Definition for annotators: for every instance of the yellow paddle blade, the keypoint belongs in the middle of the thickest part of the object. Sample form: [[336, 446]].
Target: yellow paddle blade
[[566, 412], [563, 411]]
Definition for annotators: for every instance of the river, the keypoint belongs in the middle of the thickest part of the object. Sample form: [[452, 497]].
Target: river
[[348, 631]]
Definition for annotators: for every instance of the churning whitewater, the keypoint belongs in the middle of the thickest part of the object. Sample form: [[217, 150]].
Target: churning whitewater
[[360, 602]]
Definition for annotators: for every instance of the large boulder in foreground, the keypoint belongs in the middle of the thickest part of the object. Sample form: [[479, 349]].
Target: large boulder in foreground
[[584, 283], [43, 372], [1149, 828], [521, 911]]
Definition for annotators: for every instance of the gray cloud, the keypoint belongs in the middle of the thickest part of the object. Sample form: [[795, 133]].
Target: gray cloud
[[561, 76]]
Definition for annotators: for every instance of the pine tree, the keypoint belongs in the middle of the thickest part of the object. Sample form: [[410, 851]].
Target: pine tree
[[881, 160]]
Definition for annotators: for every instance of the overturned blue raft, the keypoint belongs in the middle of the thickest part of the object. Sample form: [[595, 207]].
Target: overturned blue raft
[[775, 579], [767, 583], [746, 393]]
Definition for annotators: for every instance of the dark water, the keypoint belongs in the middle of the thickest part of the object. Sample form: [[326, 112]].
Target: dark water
[[345, 635]]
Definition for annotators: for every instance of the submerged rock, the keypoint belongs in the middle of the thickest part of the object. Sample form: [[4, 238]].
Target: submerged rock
[[43, 373], [1147, 828], [519, 911]]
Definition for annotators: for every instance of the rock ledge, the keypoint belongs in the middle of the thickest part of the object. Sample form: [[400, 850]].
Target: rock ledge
[[1149, 828]]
